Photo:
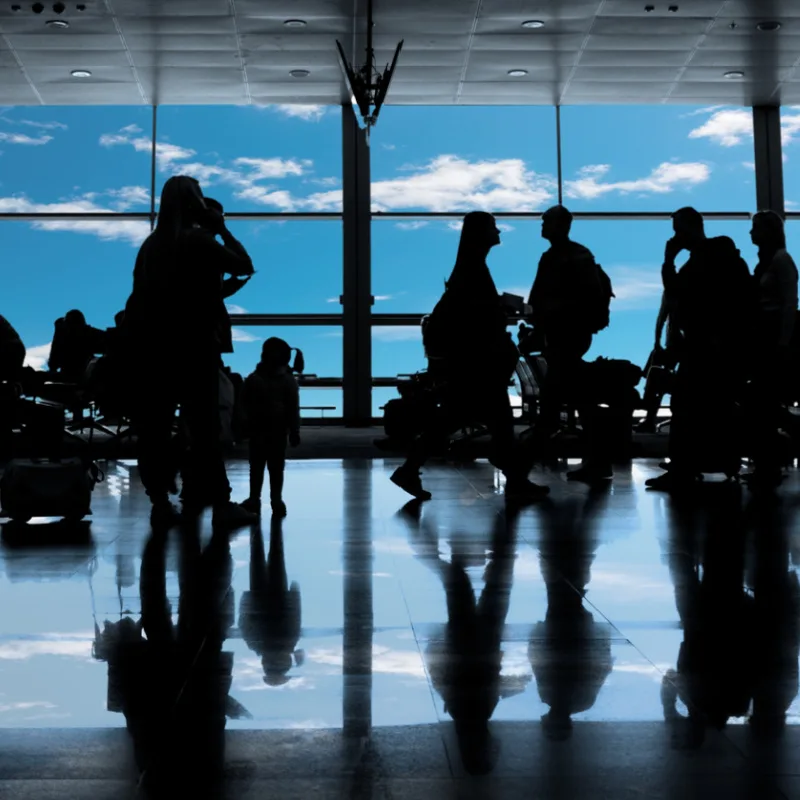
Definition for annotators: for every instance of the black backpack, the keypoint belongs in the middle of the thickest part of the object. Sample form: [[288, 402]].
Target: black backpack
[[601, 318]]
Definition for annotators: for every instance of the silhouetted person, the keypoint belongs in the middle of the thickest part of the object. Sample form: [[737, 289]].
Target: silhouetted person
[[172, 324], [662, 362], [567, 305], [570, 653], [465, 660], [709, 298], [272, 406], [775, 290], [270, 615], [75, 344], [473, 357], [12, 352]]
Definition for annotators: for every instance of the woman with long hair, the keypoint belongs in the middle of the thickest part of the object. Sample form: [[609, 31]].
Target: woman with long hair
[[473, 357], [174, 346], [775, 291]]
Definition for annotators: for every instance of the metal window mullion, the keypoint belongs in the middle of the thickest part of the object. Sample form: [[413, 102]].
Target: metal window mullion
[[768, 157], [153, 169]]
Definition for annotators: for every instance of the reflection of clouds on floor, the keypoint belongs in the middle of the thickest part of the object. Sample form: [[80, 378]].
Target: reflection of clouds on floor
[[628, 586], [385, 660], [70, 645]]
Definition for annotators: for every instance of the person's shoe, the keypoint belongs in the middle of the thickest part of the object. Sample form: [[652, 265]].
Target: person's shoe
[[253, 505], [669, 482], [525, 491], [278, 508], [591, 474], [232, 515], [164, 514], [409, 481]]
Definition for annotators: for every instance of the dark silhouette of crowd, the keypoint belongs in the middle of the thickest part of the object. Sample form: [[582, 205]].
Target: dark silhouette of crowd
[[726, 361]]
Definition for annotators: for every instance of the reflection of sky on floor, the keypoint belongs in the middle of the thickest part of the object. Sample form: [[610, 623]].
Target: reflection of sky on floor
[[343, 535]]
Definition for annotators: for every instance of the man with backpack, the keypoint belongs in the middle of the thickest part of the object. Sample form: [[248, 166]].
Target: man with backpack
[[710, 301], [570, 301]]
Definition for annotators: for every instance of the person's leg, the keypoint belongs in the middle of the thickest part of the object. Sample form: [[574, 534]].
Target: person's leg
[[276, 464], [764, 417], [152, 419], [258, 463], [493, 408], [199, 400]]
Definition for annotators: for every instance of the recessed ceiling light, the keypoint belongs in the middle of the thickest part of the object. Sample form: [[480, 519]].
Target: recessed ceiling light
[[81, 73], [57, 23], [533, 23], [299, 73], [517, 73], [734, 73], [768, 27], [295, 23]]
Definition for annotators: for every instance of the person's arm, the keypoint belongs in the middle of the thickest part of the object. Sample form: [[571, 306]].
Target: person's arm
[[786, 278], [293, 406], [661, 320], [228, 258], [232, 285]]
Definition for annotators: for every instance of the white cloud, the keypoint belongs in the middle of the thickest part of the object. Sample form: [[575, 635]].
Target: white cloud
[[389, 146], [451, 183], [397, 333], [240, 335], [36, 357], [505, 227], [699, 111], [455, 225], [727, 128], [382, 297], [413, 225], [126, 197], [234, 309], [748, 164], [635, 287], [306, 111], [790, 204], [134, 231], [273, 167], [45, 126], [730, 127], [23, 138], [332, 300], [666, 177]]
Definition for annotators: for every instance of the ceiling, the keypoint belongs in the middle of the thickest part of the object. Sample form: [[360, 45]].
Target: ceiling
[[455, 51]]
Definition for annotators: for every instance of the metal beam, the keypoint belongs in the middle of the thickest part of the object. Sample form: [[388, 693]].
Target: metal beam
[[768, 158], [357, 293]]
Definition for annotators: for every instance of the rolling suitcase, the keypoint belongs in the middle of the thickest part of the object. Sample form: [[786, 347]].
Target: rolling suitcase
[[48, 488]]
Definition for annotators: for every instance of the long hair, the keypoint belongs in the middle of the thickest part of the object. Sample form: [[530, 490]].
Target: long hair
[[181, 201], [773, 223], [470, 269]]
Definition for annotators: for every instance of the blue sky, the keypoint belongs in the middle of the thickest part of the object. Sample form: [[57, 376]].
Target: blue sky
[[288, 158]]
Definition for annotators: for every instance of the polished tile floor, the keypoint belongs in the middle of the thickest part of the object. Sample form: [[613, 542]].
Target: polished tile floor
[[359, 648]]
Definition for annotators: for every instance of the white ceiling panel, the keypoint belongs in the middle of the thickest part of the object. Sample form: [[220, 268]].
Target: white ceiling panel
[[456, 51]]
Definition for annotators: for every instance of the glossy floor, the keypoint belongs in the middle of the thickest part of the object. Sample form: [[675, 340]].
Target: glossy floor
[[606, 635]]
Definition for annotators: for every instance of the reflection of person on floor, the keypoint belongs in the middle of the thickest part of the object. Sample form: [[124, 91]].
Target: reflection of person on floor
[[465, 660], [570, 653], [270, 613], [715, 670], [777, 617], [173, 686]]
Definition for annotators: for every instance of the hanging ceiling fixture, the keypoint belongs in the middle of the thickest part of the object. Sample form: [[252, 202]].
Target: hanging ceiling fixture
[[368, 87]]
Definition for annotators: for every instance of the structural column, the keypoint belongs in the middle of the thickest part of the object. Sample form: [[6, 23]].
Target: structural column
[[357, 297], [768, 158]]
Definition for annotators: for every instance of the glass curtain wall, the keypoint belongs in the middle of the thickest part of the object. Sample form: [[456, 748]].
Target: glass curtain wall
[[80, 190]]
